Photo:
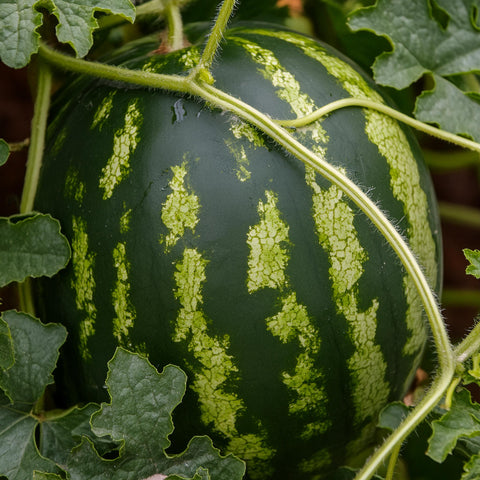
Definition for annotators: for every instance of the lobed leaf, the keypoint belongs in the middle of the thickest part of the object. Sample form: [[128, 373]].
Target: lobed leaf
[[461, 421], [472, 469], [449, 107], [35, 351], [440, 38], [142, 401], [473, 256], [35, 348], [21, 19], [60, 432], [139, 416], [32, 246], [19, 455]]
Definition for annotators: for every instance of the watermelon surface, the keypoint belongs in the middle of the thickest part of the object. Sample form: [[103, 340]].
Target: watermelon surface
[[198, 241]]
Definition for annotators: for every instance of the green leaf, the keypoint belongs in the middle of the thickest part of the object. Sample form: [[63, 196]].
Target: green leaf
[[442, 41], [4, 151], [19, 455], [6, 346], [20, 20], [472, 469], [461, 421], [139, 416], [473, 256], [461, 108], [61, 431], [392, 415], [32, 246], [45, 476], [35, 347]]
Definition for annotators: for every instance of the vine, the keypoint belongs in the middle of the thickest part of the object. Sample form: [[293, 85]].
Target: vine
[[200, 83]]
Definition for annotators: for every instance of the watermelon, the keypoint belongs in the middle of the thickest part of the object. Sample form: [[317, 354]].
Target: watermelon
[[198, 241]]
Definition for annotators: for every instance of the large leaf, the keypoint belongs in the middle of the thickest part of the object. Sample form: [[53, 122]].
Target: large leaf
[[61, 431], [32, 246], [139, 416], [20, 20], [35, 349], [438, 37], [461, 422]]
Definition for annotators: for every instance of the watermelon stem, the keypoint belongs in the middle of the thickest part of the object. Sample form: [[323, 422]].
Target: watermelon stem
[[401, 117]]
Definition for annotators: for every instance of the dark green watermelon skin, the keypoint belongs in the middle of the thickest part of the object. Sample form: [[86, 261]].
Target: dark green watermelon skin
[[295, 399]]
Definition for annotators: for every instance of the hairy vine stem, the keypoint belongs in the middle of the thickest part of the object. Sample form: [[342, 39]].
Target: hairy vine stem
[[34, 161], [391, 112], [446, 358], [194, 84], [214, 39], [37, 136], [175, 25]]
